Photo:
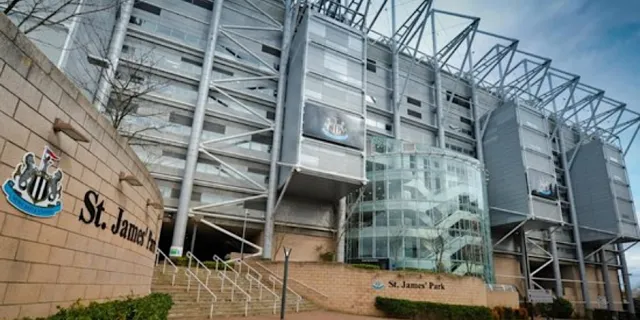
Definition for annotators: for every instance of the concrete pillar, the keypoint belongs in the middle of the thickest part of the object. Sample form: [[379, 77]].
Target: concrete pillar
[[607, 281], [341, 227], [113, 56], [272, 188], [557, 275], [625, 278], [182, 216]]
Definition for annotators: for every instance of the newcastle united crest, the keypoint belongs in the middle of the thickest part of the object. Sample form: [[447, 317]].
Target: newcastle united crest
[[335, 128], [33, 190]]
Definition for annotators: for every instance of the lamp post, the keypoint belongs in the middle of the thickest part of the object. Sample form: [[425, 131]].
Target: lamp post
[[283, 302]]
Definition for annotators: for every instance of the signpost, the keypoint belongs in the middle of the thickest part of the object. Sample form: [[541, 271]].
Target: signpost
[[540, 296]]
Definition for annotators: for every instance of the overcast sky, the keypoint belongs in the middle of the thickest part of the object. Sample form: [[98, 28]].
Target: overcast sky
[[597, 40]]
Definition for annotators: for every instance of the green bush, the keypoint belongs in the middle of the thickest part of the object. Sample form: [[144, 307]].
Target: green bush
[[366, 266], [419, 310], [560, 308], [152, 307]]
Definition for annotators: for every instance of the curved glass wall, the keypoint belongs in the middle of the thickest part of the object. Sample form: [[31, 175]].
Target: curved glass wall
[[423, 208]]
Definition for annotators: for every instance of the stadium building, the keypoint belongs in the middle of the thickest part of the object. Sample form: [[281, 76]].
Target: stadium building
[[271, 124]]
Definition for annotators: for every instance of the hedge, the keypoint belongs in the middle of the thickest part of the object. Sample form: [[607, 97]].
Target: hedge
[[155, 306], [365, 266], [419, 310], [506, 313], [560, 308]]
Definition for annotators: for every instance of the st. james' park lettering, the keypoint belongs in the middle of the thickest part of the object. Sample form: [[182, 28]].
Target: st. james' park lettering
[[416, 285], [92, 214]]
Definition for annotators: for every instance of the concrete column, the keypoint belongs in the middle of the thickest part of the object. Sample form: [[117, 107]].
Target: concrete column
[[574, 221], [488, 246], [113, 56], [625, 278], [607, 281], [342, 232], [395, 75], [524, 259], [272, 189], [557, 275], [182, 216], [438, 86]]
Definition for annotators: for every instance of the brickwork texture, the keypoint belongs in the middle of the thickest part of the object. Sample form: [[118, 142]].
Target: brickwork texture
[[50, 262], [347, 289]]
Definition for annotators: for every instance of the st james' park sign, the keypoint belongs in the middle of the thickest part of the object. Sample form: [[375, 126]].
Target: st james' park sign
[[37, 192], [426, 285], [92, 214]]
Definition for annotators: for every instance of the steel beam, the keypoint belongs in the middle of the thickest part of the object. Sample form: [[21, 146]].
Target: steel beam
[[182, 216], [272, 189], [438, 85], [113, 56], [395, 76]]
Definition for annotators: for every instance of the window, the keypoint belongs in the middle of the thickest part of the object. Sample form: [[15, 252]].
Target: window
[[371, 65], [260, 138], [136, 79], [271, 50], [465, 120], [127, 49], [388, 127], [371, 99], [213, 127], [255, 205], [96, 61], [414, 102], [145, 6], [187, 121], [135, 20], [271, 115], [225, 72], [414, 114], [222, 103], [191, 61], [459, 100], [205, 4]]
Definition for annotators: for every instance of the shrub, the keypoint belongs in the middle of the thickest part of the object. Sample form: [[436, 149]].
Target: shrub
[[406, 309], [366, 266], [152, 307], [559, 308], [506, 313]]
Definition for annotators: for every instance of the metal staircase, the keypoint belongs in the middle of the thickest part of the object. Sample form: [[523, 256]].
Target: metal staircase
[[199, 292]]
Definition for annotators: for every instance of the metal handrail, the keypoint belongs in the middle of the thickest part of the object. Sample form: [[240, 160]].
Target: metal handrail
[[222, 275], [226, 266], [214, 298], [261, 285], [275, 279], [164, 265], [198, 264], [241, 262], [292, 279]]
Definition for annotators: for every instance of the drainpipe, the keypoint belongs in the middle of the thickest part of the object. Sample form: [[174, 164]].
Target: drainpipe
[[182, 216], [277, 135], [113, 56]]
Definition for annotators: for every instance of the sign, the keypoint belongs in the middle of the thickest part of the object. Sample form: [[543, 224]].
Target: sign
[[540, 296], [392, 284], [33, 189], [334, 126], [175, 251], [92, 214]]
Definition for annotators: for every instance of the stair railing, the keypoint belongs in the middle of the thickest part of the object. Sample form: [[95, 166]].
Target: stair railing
[[234, 286], [242, 265], [164, 265], [225, 266], [261, 286], [198, 264], [201, 285], [274, 280], [324, 296]]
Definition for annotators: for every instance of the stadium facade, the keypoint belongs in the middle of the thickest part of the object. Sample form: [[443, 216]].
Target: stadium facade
[[308, 127]]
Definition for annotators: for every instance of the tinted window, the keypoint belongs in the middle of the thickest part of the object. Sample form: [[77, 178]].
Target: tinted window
[[147, 7]]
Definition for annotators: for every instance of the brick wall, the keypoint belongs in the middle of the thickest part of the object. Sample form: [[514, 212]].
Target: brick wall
[[343, 288], [307, 248], [49, 262]]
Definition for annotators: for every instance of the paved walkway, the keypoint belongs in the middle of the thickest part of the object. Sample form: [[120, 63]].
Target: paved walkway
[[313, 315]]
